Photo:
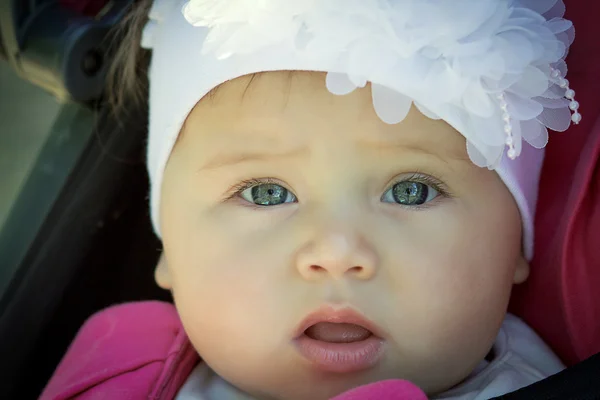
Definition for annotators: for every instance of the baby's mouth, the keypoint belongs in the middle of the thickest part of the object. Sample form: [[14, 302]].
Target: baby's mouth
[[337, 332], [339, 341]]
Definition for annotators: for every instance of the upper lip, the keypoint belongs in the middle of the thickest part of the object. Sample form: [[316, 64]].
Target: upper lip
[[345, 315]]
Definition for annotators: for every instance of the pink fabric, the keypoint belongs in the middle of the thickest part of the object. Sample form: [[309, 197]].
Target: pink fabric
[[128, 352], [394, 389], [140, 351]]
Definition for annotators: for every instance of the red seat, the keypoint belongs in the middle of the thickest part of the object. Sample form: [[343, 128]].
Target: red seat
[[561, 299]]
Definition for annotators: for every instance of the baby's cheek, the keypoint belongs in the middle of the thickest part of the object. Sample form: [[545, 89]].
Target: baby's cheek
[[452, 304], [221, 292], [216, 315], [230, 324]]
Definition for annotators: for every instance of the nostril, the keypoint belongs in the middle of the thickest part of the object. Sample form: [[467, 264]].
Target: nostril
[[356, 270], [316, 268]]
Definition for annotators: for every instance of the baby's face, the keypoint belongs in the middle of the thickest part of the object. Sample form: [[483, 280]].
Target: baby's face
[[281, 199]]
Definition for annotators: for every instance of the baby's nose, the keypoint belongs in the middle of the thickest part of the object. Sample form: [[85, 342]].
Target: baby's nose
[[337, 255]]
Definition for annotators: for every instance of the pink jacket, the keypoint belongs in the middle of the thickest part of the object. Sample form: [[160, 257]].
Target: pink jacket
[[139, 351]]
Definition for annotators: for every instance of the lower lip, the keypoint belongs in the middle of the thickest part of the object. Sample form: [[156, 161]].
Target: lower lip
[[341, 357]]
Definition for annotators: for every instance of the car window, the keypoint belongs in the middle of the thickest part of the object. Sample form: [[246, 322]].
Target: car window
[[40, 142], [27, 113]]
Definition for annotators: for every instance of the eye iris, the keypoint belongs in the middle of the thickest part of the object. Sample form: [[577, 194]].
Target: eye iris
[[410, 193], [269, 195]]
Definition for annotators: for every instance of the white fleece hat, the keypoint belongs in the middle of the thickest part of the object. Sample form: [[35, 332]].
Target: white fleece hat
[[493, 69]]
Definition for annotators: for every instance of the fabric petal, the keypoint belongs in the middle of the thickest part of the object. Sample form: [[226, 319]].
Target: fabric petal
[[478, 102], [534, 133], [475, 155], [339, 84], [558, 119], [425, 111], [392, 107], [522, 108]]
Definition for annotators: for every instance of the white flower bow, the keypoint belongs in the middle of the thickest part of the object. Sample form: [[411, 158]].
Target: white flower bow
[[451, 58]]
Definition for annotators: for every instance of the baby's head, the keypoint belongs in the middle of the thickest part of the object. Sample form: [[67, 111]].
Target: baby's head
[[281, 198], [317, 178]]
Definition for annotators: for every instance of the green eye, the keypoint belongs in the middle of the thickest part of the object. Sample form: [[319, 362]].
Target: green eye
[[267, 194], [409, 193]]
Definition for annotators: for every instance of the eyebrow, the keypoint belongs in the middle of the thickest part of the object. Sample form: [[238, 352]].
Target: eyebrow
[[227, 160]]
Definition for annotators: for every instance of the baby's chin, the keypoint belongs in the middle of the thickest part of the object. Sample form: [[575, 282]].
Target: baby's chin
[[305, 382], [316, 386]]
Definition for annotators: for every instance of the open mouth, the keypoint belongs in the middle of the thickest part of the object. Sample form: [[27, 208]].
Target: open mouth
[[337, 332], [339, 341]]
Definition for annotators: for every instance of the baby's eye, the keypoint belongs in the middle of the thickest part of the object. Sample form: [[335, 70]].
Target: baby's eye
[[267, 194], [409, 193]]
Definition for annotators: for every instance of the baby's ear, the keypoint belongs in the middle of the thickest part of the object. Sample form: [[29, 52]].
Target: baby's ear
[[522, 271], [162, 276]]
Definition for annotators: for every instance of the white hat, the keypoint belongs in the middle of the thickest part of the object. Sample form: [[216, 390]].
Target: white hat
[[492, 69]]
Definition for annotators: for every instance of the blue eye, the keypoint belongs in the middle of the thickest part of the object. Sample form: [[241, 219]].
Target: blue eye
[[267, 194], [409, 193]]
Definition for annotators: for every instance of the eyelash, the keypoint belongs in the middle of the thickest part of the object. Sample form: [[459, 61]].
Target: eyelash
[[425, 179], [418, 177], [238, 188]]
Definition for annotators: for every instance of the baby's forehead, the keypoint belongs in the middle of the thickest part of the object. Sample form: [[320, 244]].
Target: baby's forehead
[[285, 111]]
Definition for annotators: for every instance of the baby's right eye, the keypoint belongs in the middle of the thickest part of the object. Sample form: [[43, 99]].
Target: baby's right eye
[[267, 194]]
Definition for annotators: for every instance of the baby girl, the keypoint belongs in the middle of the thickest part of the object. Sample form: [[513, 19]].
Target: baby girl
[[345, 190]]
